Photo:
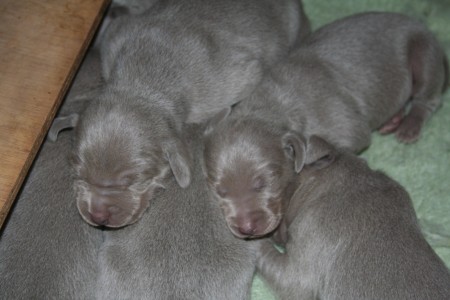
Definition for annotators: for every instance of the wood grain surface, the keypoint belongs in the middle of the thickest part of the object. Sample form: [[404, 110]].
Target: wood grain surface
[[41, 45]]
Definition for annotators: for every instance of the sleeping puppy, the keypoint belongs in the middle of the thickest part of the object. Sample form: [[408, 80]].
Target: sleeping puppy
[[180, 249], [250, 171], [346, 80], [353, 234], [181, 61], [46, 250]]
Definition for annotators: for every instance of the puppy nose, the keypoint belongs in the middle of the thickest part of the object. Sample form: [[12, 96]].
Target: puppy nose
[[100, 218], [247, 229]]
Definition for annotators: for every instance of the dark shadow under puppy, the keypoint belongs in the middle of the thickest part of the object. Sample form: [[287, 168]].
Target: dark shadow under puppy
[[352, 234], [46, 250], [345, 81], [180, 249]]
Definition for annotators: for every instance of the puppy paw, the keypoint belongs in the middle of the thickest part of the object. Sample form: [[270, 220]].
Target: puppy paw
[[392, 125], [409, 133], [411, 126]]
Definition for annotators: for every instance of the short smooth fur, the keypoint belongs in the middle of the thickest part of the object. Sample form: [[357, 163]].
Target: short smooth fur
[[180, 61], [346, 80], [352, 234]]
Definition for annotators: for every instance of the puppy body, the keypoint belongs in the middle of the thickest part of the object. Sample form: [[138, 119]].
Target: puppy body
[[46, 250], [181, 61], [352, 234], [180, 249], [351, 76], [346, 80], [209, 54]]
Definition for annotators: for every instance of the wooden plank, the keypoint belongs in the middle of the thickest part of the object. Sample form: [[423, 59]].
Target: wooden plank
[[41, 45]]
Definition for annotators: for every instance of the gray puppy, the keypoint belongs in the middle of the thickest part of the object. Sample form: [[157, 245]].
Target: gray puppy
[[352, 234], [346, 80], [46, 250], [180, 249], [181, 61]]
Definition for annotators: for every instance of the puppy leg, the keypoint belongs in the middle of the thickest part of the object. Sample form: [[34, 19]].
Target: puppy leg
[[282, 275], [410, 127], [392, 125], [428, 67]]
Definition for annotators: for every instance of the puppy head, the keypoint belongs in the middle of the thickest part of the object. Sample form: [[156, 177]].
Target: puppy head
[[119, 163], [249, 165]]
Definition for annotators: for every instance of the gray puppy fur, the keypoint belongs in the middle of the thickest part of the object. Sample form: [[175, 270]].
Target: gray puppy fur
[[181, 61], [180, 249], [114, 11], [46, 250], [345, 80], [352, 234], [135, 6]]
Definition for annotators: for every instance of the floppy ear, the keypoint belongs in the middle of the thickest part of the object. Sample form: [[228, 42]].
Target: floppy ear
[[61, 123], [319, 153], [180, 161], [295, 148], [216, 119]]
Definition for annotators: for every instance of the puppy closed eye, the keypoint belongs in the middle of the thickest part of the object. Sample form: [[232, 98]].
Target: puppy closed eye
[[117, 188], [258, 184]]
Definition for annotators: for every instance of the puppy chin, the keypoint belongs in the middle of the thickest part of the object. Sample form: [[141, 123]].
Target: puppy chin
[[116, 214], [245, 237], [119, 220], [272, 226], [133, 218], [87, 218]]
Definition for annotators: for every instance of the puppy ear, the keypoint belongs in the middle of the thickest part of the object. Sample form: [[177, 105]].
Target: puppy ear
[[295, 148], [180, 161], [216, 119], [319, 153], [61, 123]]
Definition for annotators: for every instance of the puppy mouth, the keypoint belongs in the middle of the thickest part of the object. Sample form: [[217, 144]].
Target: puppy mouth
[[108, 220], [111, 222], [273, 223]]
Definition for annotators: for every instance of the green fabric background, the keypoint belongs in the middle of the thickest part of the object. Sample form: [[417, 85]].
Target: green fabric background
[[422, 168]]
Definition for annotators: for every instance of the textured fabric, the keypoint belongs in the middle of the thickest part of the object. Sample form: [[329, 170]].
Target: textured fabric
[[422, 168]]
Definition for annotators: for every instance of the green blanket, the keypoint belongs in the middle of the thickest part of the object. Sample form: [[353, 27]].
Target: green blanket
[[422, 168]]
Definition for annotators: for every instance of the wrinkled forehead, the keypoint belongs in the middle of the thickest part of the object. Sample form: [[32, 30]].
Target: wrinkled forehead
[[240, 152], [114, 153], [114, 176], [241, 156]]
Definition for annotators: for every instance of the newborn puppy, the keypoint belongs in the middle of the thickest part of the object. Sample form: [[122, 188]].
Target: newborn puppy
[[353, 234], [181, 61], [46, 250], [345, 80], [180, 249]]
